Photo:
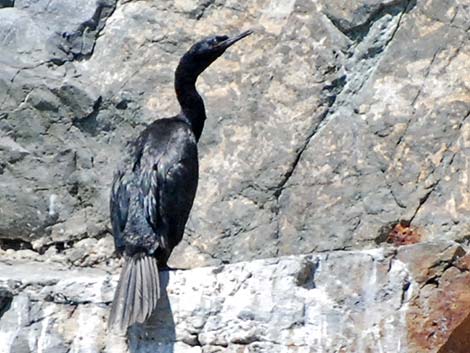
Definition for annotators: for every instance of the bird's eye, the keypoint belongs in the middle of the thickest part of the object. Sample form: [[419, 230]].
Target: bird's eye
[[221, 38]]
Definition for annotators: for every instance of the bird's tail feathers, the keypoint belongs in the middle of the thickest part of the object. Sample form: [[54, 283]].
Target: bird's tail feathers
[[137, 292]]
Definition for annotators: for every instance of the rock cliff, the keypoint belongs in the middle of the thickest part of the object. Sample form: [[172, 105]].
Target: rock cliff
[[337, 136]]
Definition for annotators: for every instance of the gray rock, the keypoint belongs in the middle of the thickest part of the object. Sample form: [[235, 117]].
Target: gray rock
[[356, 301], [227, 307], [330, 123], [336, 126]]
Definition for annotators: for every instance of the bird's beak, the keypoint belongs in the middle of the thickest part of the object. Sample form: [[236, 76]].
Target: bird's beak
[[228, 42]]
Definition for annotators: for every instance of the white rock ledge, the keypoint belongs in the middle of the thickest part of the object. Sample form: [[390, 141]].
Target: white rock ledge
[[343, 301]]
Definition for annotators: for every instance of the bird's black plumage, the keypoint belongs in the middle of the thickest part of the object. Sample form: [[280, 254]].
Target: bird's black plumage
[[154, 188]]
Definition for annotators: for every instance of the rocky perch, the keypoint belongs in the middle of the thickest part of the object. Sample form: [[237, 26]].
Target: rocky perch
[[408, 299]]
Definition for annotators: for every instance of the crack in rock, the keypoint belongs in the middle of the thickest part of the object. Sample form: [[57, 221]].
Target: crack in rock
[[426, 75], [80, 44], [88, 124], [200, 11], [280, 187], [358, 32], [423, 200], [441, 165], [363, 63]]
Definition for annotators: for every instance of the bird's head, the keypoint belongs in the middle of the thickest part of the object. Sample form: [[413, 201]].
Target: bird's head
[[207, 50]]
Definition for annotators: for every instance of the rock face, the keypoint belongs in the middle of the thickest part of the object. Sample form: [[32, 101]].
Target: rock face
[[336, 128], [344, 301], [330, 123]]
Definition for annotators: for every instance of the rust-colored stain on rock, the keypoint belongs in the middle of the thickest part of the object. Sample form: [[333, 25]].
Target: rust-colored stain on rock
[[439, 316], [403, 234]]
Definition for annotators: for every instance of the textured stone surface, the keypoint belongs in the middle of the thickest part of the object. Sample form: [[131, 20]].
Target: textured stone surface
[[380, 300], [332, 123], [337, 126]]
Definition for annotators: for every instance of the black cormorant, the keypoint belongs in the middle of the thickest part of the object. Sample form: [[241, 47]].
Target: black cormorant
[[153, 190]]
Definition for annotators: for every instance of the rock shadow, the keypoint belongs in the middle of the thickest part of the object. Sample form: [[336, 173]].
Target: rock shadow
[[157, 334], [459, 339]]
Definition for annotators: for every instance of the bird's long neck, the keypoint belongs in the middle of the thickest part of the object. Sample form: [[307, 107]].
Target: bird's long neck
[[192, 105]]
